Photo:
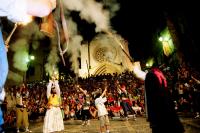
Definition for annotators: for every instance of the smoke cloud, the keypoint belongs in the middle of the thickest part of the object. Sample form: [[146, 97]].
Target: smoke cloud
[[112, 6], [53, 59], [90, 10], [20, 59], [15, 77], [94, 12], [74, 45], [28, 36]]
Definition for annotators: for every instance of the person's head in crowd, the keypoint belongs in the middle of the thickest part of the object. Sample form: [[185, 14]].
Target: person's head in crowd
[[123, 87], [97, 95]]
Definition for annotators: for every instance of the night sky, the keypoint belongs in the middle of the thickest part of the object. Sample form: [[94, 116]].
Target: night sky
[[135, 22], [138, 22]]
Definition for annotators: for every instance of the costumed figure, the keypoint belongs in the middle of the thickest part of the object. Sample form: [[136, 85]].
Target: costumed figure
[[21, 108], [160, 107], [53, 120]]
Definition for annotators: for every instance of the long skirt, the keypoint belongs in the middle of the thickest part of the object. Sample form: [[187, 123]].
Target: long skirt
[[53, 120]]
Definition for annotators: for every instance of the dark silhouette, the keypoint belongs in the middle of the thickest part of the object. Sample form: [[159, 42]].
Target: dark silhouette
[[160, 108]]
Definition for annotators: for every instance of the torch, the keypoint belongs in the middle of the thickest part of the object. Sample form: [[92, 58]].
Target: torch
[[26, 21]]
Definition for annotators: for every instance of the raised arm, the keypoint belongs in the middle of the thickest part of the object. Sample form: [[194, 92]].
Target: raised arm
[[49, 89], [118, 89], [84, 92], [196, 80], [104, 92], [57, 87]]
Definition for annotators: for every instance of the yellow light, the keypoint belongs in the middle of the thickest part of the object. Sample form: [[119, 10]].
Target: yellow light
[[150, 62], [166, 48], [32, 57]]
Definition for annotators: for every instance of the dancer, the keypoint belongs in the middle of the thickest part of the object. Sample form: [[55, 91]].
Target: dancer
[[125, 101], [53, 120], [21, 108], [17, 11], [86, 106], [102, 111], [160, 108]]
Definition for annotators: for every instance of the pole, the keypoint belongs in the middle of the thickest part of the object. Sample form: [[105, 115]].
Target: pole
[[10, 35]]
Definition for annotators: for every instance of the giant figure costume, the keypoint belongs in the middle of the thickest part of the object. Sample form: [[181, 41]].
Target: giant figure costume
[[160, 108]]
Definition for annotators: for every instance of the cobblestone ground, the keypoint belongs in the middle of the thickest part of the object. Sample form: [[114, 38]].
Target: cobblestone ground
[[117, 126]]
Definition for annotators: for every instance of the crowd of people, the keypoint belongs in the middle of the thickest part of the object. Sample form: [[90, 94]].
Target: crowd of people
[[103, 96], [125, 96]]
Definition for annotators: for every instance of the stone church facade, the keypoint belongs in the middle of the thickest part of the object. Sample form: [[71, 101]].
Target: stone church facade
[[104, 55]]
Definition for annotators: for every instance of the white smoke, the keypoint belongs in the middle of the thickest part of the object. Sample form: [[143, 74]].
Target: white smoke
[[32, 32], [20, 59], [53, 59], [28, 35], [74, 42], [112, 6], [74, 45], [91, 11], [15, 77]]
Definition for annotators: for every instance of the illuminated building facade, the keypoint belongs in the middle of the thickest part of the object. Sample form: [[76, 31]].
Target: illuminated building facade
[[104, 55]]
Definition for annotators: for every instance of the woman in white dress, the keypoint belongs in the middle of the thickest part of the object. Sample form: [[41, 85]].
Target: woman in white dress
[[53, 120]]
